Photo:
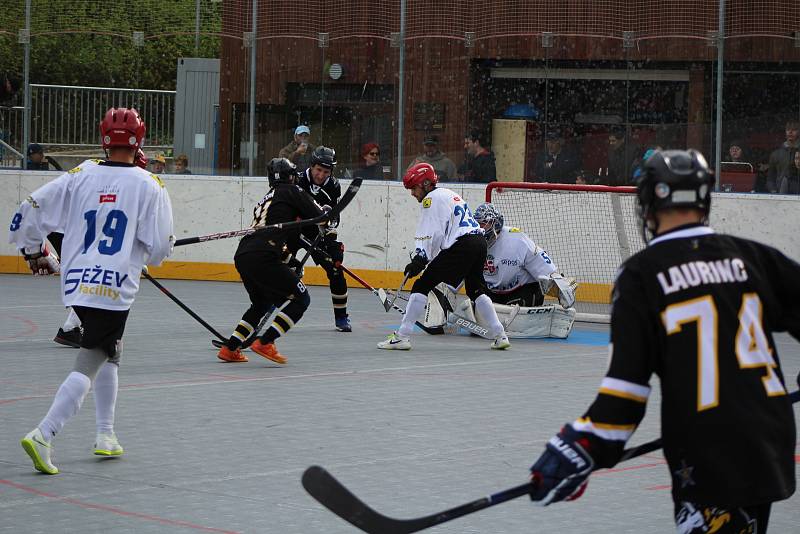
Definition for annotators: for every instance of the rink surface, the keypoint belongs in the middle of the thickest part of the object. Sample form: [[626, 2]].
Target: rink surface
[[216, 447]]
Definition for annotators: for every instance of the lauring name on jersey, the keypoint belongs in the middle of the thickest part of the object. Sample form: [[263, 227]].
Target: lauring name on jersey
[[115, 220], [698, 309], [445, 217], [514, 260]]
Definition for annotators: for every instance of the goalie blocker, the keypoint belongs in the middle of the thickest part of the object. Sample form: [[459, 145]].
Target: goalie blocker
[[520, 322]]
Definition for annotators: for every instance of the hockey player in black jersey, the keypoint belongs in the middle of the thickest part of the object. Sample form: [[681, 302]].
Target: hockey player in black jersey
[[318, 181], [699, 310], [261, 262]]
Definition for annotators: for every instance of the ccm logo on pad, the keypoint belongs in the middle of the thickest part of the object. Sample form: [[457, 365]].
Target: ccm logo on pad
[[108, 198]]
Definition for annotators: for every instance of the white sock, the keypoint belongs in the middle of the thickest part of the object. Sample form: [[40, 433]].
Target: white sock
[[485, 310], [73, 321], [66, 403], [106, 384], [414, 310]]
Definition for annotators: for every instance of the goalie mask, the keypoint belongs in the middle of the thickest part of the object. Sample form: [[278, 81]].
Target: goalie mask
[[281, 171], [674, 179], [490, 219]]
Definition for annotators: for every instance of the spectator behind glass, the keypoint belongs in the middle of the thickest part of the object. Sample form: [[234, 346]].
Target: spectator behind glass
[[371, 168], [620, 159], [479, 163], [781, 159], [36, 161], [299, 150], [182, 165], [789, 183], [557, 164], [443, 166], [159, 164]]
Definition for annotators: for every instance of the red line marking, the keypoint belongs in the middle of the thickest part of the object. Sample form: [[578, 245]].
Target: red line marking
[[797, 458], [114, 510], [631, 468], [657, 488], [32, 329]]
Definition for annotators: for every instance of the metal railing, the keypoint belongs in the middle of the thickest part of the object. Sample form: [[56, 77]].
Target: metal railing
[[67, 116]]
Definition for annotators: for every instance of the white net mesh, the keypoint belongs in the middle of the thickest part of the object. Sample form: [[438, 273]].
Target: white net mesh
[[587, 230]]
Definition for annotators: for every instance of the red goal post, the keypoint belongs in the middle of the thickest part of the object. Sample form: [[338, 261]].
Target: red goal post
[[588, 231]]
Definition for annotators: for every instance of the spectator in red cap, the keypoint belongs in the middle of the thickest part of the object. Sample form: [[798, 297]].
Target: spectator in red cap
[[371, 168]]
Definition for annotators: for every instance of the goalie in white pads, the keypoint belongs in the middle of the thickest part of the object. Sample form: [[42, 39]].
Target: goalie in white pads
[[518, 274]]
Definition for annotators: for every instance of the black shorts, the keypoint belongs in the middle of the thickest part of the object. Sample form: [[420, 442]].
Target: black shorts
[[692, 518], [266, 279], [527, 295], [102, 329], [463, 261]]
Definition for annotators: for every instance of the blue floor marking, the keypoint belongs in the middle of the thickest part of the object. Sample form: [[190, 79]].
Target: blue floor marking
[[577, 337]]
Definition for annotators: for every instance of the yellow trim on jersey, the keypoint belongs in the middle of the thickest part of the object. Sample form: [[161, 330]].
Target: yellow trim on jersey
[[157, 179], [605, 426], [622, 395], [604, 430], [514, 230]]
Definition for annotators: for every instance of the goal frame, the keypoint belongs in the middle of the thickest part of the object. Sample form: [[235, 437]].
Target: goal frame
[[591, 293]]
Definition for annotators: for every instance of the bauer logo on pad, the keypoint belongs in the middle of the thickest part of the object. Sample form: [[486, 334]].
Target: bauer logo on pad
[[108, 198]]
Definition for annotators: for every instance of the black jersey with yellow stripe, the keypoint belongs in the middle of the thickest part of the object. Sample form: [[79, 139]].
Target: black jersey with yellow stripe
[[698, 310]]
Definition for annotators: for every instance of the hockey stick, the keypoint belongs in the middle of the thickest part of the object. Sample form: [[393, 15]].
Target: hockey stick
[[328, 215], [249, 341], [354, 276], [181, 304], [329, 492], [388, 304]]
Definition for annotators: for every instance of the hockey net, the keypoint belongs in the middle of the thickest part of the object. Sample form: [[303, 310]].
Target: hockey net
[[588, 231]]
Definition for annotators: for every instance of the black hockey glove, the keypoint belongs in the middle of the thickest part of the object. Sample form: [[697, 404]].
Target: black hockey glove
[[562, 471], [416, 266]]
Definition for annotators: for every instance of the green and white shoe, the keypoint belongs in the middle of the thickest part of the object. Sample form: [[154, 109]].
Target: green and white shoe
[[107, 445], [395, 342], [39, 450], [501, 342]]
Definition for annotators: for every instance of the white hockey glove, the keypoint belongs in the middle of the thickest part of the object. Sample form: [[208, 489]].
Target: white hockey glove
[[556, 285], [42, 260]]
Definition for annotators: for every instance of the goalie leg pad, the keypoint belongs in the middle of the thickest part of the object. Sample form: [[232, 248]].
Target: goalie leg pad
[[551, 321]]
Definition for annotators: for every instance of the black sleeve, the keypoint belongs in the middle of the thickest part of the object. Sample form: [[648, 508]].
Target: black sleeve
[[305, 204]]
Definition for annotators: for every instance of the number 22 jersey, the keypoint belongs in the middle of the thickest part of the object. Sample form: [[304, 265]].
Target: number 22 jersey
[[445, 218], [116, 218]]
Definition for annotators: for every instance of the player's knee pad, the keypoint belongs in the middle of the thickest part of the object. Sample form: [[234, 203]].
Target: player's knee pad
[[89, 361]]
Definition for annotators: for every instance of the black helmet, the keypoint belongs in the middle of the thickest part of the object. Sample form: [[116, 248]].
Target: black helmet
[[674, 179], [281, 171], [324, 157]]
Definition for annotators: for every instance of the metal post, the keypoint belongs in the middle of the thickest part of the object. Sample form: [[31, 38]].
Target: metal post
[[720, 59], [400, 92], [196, 28], [252, 147], [26, 126]]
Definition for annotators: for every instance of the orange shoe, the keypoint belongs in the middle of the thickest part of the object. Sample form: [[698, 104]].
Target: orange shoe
[[267, 350], [227, 355]]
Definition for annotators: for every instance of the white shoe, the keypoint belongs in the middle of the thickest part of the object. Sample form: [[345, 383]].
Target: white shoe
[[501, 342], [107, 445], [395, 342], [39, 450]]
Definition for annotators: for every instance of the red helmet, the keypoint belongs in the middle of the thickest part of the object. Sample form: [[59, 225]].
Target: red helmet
[[140, 160], [418, 174], [122, 127]]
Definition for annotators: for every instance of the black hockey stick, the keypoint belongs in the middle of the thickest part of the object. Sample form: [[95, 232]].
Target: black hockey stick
[[181, 304], [249, 341], [321, 485], [328, 215]]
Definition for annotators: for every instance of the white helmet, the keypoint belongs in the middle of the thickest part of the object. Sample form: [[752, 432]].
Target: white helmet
[[491, 220]]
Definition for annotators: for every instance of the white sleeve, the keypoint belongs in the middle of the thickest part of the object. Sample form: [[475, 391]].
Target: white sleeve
[[155, 229], [430, 230], [39, 214], [537, 261]]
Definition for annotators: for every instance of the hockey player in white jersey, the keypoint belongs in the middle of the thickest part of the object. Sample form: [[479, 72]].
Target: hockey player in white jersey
[[518, 274], [450, 248], [116, 219]]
